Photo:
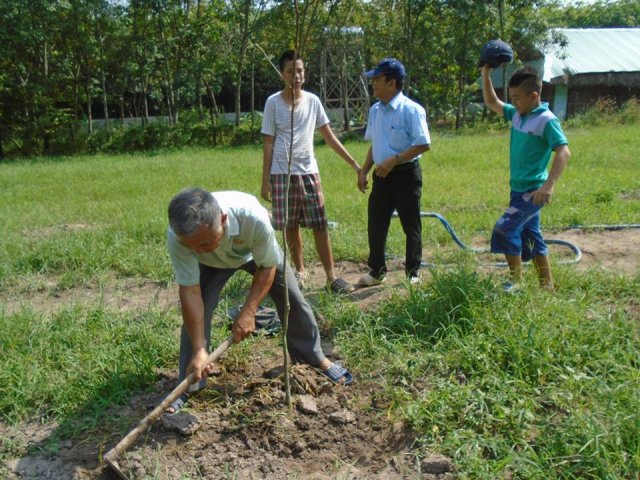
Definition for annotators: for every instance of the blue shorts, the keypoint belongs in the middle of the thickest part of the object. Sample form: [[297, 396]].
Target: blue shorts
[[518, 232]]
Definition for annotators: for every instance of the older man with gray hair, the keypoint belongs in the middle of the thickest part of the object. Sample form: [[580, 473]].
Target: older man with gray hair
[[211, 236]]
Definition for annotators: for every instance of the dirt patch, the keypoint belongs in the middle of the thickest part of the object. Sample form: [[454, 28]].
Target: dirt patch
[[612, 250], [56, 229], [617, 251], [46, 295], [243, 428]]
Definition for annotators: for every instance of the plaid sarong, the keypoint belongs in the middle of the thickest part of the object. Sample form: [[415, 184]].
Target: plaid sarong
[[306, 202]]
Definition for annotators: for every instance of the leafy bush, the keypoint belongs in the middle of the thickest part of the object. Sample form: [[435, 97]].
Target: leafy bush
[[248, 132], [193, 129], [630, 112], [604, 112], [355, 135]]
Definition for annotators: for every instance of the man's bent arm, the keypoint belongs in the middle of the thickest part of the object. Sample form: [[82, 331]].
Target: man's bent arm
[[193, 318], [245, 323], [385, 167], [412, 152], [543, 195]]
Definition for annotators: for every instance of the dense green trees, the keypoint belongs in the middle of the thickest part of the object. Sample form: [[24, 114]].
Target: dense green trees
[[65, 64], [602, 13]]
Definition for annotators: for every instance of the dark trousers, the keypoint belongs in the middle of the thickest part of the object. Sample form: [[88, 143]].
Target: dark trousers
[[401, 190], [303, 336]]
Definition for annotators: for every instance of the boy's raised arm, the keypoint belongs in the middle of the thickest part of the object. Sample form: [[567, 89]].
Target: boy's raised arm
[[491, 100]]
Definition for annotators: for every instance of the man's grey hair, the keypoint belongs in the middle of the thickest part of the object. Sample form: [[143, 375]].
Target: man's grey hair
[[191, 208]]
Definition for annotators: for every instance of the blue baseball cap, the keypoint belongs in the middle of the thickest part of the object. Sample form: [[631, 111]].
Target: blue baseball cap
[[388, 66], [494, 53]]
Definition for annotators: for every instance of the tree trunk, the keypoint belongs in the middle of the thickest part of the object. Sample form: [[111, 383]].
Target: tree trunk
[[239, 86], [460, 100], [170, 100], [213, 111], [237, 98], [121, 99], [345, 94], [145, 103], [45, 133], [461, 77], [198, 62], [76, 101], [89, 108], [504, 68], [199, 97], [253, 87], [168, 80], [177, 76], [46, 146], [105, 105], [103, 78], [244, 41]]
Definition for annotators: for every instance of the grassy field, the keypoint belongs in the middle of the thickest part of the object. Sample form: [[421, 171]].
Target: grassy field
[[525, 386]]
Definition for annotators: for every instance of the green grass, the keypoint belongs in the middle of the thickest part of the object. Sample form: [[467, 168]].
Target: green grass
[[525, 386], [541, 386]]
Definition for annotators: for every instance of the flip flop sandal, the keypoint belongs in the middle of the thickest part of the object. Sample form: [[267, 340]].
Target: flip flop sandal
[[340, 285], [178, 404], [336, 373]]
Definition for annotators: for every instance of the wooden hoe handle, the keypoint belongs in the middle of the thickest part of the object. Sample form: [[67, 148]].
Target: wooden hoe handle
[[112, 455]]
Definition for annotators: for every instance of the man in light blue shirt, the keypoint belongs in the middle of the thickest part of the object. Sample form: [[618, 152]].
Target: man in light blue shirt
[[210, 237], [397, 129]]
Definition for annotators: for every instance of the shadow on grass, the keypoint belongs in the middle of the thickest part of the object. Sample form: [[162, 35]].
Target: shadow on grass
[[83, 373], [74, 446]]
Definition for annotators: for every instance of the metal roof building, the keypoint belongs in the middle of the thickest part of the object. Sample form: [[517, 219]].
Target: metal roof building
[[593, 50], [592, 63]]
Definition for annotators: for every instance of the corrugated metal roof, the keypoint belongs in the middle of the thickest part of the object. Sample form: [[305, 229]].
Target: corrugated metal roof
[[587, 50], [594, 50]]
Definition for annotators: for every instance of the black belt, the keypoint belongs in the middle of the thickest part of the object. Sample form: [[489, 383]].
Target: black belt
[[405, 167]]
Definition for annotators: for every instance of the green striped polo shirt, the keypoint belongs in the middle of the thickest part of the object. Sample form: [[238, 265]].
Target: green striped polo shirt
[[533, 137]]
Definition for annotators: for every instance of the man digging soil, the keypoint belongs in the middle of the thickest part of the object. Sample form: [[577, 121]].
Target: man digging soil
[[210, 237]]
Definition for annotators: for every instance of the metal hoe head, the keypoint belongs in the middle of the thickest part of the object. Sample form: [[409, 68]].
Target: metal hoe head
[[111, 459]]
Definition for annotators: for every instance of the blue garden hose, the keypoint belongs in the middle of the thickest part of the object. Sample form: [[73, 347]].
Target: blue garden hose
[[571, 246], [449, 229]]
